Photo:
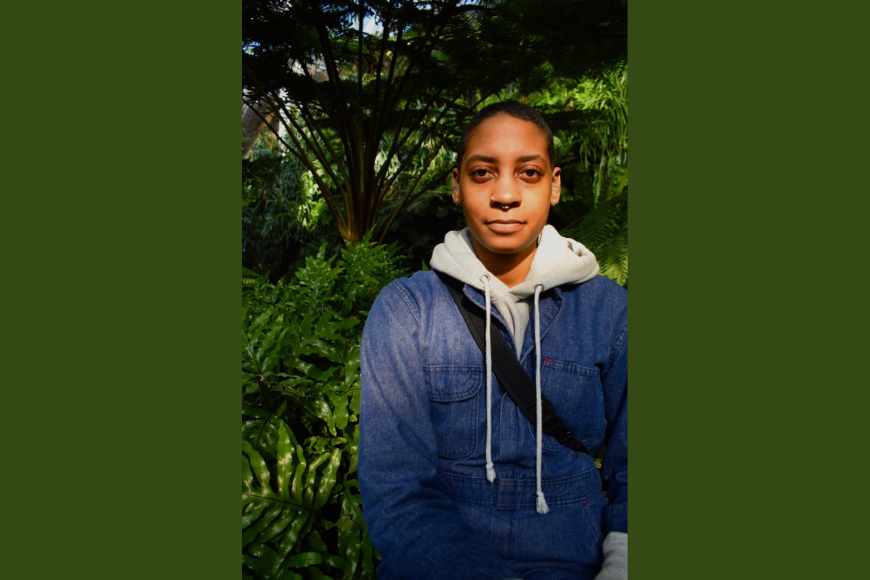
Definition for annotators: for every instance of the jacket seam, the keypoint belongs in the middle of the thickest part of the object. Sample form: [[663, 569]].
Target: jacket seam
[[617, 346], [406, 298]]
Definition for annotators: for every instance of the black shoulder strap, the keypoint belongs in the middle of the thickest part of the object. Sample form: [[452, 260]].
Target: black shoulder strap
[[509, 372]]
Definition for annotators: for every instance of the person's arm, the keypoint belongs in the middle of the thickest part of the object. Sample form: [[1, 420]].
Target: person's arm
[[614, 465], [615, 550], [411, 521]]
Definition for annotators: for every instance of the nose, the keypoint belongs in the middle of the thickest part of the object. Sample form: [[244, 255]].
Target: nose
[[506, 194]]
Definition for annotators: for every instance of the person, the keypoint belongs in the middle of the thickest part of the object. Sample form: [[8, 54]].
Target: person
[[455, 481]]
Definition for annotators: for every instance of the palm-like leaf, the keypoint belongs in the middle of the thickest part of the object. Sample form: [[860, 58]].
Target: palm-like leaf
[[604, 231], [273, 519]]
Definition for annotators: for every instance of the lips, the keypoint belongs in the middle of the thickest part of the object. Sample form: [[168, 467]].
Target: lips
[[505, 226]]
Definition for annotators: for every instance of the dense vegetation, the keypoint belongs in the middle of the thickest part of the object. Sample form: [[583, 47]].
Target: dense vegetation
[[300, 403]]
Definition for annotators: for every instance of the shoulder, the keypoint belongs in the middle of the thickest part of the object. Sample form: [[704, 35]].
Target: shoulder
[[413, 293], [599, 290], [601, 304]]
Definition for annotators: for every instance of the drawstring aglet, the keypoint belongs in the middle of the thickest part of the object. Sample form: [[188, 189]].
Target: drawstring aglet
[[490, 472], [541, 504]]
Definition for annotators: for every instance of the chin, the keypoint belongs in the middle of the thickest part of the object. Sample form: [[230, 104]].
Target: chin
[[505, 245]]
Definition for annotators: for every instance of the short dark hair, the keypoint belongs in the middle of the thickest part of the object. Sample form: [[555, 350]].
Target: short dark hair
[[514, 109]]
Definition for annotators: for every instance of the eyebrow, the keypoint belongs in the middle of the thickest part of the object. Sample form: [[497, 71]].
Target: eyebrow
[[487, 159]]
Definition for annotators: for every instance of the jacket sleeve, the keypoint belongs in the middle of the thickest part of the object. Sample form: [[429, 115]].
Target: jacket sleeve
[[411, 521], [614, 466]]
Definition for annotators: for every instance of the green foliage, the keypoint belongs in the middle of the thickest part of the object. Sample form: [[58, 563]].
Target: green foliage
[[374, 117], [301, 508], [604, 230], [282, 214]]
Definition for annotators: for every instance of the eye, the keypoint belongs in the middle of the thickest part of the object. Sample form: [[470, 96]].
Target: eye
[[530, 174], [480, 174]]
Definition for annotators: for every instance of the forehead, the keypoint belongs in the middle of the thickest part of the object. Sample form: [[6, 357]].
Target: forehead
[[506, 137]]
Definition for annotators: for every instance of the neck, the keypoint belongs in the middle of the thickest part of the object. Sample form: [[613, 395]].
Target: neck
[[511, 269]]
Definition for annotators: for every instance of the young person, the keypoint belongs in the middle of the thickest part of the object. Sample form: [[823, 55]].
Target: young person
[[456, 482]]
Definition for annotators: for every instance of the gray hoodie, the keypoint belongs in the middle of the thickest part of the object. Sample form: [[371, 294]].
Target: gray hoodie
[[557, 261]]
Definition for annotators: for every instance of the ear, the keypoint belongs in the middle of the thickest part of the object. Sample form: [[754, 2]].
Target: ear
[[457, 194], [556, 191]]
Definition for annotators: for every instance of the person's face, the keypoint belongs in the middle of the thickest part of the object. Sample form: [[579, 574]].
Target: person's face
[[506, 186]]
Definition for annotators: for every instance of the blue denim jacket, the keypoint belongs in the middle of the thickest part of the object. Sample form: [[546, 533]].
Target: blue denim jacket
[[430, 511]]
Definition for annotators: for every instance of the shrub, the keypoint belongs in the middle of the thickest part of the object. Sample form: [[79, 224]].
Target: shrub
[[301, 508]]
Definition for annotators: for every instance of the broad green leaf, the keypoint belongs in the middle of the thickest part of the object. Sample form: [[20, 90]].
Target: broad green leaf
[[322, 376], [252, 531], [339, 409], [268, 438], [335, 561], [328, 479], [285, 461], [247, 476], [250, 428], [253, 512], [258, 465], [256, 563], [264, 557], [321, 409], [289, 540], [308, 494], [262, 318], [299, 476], [304, 559], [279, 525], [349, 543]]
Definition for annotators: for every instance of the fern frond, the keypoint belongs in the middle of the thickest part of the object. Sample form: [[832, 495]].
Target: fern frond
[[249, 277], [613, 259], [604, 231]]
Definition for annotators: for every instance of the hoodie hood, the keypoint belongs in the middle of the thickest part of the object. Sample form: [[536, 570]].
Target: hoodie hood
[[557, 261]]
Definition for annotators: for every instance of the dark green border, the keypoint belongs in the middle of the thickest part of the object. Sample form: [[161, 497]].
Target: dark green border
[[747, 128], [121, 237]]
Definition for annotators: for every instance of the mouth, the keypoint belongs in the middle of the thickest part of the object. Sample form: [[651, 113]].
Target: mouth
[[504, 226]]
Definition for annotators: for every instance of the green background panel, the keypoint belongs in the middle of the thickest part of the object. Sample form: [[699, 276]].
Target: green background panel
[[746, 128], [121, 174]]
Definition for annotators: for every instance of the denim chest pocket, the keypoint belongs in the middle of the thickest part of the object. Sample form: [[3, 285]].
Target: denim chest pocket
[[454, 404], [575, 392]]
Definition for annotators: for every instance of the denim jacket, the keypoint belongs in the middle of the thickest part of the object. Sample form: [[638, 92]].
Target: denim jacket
[[430, 511]]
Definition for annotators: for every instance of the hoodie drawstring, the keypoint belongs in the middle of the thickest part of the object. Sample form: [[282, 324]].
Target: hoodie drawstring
[[490, 469], [540, 503]]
